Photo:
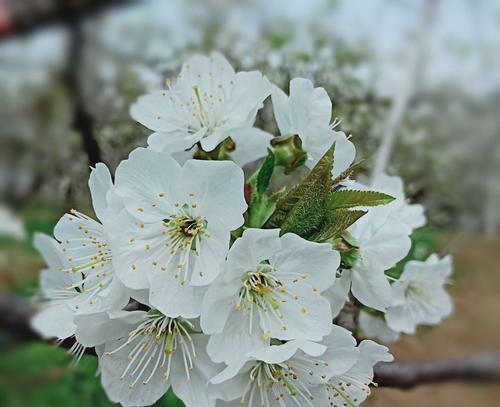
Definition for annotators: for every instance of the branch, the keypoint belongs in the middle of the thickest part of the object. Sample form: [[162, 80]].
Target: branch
[[83, 122], [406, 375], [15, 314], [24, 17]]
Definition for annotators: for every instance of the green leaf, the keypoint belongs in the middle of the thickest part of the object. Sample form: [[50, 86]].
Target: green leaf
[[265, 173], [347, 173], [260, 210], [261, 206], [302, 209], [337, 222], [346, 198], [349, 258]]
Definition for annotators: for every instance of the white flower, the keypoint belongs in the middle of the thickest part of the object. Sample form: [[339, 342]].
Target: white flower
[[175, 236], [411, 215], [375, 327], [271, 288], [80, 278], [419, 295], [56, 317], [141, 354], [285, 375], [307, 112], [86, 249], [207, 103], [382, 243], [353, 387]]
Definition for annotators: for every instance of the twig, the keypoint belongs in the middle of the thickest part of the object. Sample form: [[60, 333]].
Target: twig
[[24, 17], [406, 375]]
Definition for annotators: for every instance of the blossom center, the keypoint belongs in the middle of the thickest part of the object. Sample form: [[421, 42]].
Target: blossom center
[[94, 263], [275, 382], [259, 286], [153, 344]]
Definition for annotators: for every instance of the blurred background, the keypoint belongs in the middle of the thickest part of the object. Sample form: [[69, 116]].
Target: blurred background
[[416, 83]]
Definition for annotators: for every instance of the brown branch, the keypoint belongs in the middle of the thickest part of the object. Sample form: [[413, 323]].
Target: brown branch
[[348, 316], [406, 375], [15, 314], [24, 17], [83, 122]]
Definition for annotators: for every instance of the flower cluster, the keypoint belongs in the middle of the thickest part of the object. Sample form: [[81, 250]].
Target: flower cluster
[[224, 286]]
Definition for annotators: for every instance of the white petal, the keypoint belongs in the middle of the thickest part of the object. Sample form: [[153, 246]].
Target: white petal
[[376, 328], [251, 144], [400, 320], [210, 263], [218, 303], [254, 246], [172, 298], [160, 112], [194, 393], [317, 261], [97, 329], [305, 314], [145, 179], [235, 341], [50, 250], [370, 285], [112, 367], [282, 353], [341, 351], [100, 183], [174, 141], [54, 322], [218, 190], [282, 111], [338, 293]]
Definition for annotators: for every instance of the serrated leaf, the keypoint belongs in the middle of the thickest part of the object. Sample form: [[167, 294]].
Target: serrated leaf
[[265, 173], [347, 198], [302, 209], [336, 223]]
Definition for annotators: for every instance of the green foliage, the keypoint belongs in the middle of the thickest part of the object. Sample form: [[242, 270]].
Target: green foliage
[[37, 375], [302, 209], [336, 222], [265, 172], [349, 258], [314, 211], [261, 206], [347, 173], [346, 198]]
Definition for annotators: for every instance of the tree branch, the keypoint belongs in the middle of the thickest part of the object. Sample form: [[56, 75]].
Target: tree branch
[[406, 375], [15, 315], [83, 122], [24, 17]]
